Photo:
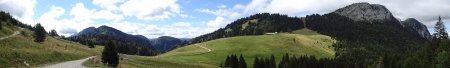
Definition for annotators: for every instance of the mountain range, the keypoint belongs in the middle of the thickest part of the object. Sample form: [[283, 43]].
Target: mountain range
[[132, 43]]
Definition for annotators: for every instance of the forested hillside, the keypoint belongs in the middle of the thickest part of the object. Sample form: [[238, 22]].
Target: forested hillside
[[257, 24], [125, 43]]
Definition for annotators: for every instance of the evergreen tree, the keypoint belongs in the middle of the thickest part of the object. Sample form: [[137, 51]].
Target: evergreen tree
[[443, 59], [272, 62], [284, 61], [109, 55], [53, 33], [1, 26], [439, 28], [227, 62], [256, 63], [90, 44], [233, 61], [242, 63], [39, 33]]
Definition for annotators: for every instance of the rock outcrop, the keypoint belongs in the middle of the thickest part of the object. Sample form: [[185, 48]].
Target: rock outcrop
[[415, 26], [365, 11]]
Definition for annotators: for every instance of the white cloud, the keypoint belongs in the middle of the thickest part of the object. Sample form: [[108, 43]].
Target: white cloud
[[217, 23], [107, 4], [50, 20], [81, 13], [222, 6], [22, 10], [223, 15], [182, 24], [108, 15], [150, 9], [178, 30]]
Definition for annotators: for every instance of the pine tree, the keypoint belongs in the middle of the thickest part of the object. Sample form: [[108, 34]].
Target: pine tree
[[256, 63], [53, 33], [109, 55], [227, 62], [1, 26], [272, 62], [90, 44], [39, 33], [439, 28], [284, 61], [234, 61], [242, 63]]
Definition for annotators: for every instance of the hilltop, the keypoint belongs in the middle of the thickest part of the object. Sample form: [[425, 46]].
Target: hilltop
[[126, 43]]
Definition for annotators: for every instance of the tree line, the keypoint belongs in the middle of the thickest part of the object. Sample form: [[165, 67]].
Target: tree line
[[289, 62], [257, 24], [123, 45]]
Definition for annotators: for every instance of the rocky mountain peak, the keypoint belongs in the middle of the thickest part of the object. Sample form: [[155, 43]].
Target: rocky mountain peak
[[365, 11], [415, 26]]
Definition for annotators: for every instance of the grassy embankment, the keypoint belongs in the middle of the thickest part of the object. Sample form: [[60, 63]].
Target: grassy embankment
[[20, 50]]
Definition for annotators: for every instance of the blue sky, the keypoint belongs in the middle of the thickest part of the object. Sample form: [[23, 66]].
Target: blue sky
[[191, 18]]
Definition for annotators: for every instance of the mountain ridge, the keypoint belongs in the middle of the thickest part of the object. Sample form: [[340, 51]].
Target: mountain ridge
[[365, 11], [127, 43], [416, 26]]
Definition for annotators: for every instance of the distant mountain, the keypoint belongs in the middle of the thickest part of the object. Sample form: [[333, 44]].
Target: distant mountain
[[127, 43], [106, 30], [166, 43], [415, 26], [366, 32], [365, 11]]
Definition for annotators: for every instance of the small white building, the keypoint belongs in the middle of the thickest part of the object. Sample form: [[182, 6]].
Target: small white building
[[272, 33]]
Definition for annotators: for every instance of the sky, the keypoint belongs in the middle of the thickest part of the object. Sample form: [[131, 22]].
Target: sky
[[192, 18]]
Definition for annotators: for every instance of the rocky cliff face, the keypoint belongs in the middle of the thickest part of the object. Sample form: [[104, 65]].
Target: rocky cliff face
[[415, 26], [365, 11], [375, 12]]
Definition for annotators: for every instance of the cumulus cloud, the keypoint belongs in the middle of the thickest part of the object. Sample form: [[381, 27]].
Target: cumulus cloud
[[81, 13], [67, 31], [22, 10], [107, 4], [107, 15], [51, 20], [178, 30], [150, 9], [182, 24]]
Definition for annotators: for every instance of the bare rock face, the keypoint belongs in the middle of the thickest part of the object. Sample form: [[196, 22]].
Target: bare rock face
[[365, 11], [415, 26]]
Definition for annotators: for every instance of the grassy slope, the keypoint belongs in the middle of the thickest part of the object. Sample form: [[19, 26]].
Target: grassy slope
[[6, 30], [14, 51], [300, 42]]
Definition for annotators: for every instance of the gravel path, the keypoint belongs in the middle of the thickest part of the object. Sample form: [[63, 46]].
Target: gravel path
[[12, 35], [69, 64], [209, 50]]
